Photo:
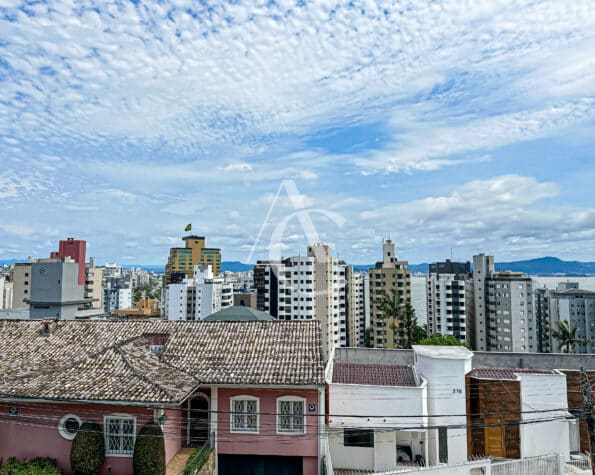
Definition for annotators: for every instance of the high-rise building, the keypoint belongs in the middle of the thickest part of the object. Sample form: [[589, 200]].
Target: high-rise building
[[199, 297], [182, 260], [542, 301], [358, 306], [448, 284], [387, 276], [20, 277], [577, 307], [311, 287], [94, 284], [55, 292], [76, 250], [503, 302]]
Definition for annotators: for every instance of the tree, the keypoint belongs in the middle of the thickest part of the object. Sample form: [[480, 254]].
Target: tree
[[441, 340], [566, 336], [87, 451], [149, 451], [401, 319], [368, 338]]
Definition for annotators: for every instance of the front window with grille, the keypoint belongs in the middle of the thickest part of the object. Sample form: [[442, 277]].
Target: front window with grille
[[290, 415], [244, 414], [120, 432]]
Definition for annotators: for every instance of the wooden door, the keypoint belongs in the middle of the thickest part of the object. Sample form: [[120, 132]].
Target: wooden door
[[494, 437]]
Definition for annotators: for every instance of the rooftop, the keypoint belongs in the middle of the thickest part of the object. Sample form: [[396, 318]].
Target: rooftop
[[443, 352], [112, 361], [374, 374], [240, 313], [506, 373]]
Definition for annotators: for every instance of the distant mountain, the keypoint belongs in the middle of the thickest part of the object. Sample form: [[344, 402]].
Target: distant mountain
[[549, 266], [235, 266]]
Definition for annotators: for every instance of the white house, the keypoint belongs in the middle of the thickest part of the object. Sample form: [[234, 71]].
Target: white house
[[376, 416]]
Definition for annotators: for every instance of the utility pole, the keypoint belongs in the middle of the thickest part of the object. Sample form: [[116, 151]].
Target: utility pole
[[588, 413]]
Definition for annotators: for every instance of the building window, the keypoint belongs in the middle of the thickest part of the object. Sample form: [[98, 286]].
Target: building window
[[291, 415], [120, 432], [358, 438], [69, 425], [244, 416], [443, 444]]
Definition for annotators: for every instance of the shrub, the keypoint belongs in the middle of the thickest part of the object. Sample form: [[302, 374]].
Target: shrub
[[35, 466], [196, 460], [149, 451], [87, 452]]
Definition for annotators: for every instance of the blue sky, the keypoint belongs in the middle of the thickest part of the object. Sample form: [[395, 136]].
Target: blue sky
[[446, 124]]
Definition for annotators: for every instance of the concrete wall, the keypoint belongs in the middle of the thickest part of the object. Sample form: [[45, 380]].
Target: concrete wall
[[481, 359], [544, 392]]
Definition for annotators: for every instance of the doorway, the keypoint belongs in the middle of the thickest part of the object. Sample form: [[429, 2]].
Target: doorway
[[198, 420]]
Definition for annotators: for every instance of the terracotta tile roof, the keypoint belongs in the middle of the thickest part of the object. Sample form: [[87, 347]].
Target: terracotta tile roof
[[506, 373], [111, 361], [373, 374]]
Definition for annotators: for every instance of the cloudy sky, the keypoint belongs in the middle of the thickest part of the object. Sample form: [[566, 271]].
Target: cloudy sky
[[463, 124]]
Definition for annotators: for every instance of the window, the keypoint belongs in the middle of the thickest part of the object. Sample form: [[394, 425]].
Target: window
[[290, 415], [244, 416], [69, 425], [120, 432], [358, 438], [443, 444]]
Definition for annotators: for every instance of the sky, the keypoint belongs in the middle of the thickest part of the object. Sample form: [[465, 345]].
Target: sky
[[450, 126]]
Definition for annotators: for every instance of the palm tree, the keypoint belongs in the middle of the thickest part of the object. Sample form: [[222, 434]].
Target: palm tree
[[566, 336], [401, 319], [391, 309]]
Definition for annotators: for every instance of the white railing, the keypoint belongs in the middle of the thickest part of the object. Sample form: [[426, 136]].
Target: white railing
[[581, 462], [544, 465]]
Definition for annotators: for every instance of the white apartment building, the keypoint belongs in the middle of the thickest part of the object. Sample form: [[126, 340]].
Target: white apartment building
[[358, 306], [311, 287], [448, 284], [199, 297], [115, 298]]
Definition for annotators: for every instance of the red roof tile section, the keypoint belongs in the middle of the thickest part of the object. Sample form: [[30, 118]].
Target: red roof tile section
[[506, 373], [373, 374]]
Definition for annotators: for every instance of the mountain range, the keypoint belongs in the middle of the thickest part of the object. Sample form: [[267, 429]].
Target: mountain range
[[541, 266]]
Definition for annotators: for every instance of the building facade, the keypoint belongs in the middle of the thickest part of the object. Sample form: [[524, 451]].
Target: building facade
[[76, 250], [199, 297], [55, 291], [358, 306], [504, 318], [20, 278], [94, 284], [387, 276], [182, 260], [448, 284], [311, 287]]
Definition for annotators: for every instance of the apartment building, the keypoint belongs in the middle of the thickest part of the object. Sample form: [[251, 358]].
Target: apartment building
[[94, 284], [358, 306], [311, 287], [448, 285], [388, 275], [20, 277], [577, 307], [199, 297], [182, 260], [504, 318], [117, 294], [55, 291]]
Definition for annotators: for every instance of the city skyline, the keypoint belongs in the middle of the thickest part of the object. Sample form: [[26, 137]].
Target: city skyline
[[444, 125]]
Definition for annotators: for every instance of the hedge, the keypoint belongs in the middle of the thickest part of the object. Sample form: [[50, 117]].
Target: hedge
[[149, 451], [87, 452]]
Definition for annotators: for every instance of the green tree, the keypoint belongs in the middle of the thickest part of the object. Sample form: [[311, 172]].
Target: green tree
[[149, 451], [87, 451], [368, 338], [401, 319], [441, 340], [566, 336]]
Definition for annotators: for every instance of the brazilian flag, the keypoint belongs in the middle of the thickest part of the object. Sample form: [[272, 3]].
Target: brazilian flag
[[188, 227]]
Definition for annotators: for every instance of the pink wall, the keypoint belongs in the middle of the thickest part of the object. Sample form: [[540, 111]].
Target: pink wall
[[267, 441], [34, 432]]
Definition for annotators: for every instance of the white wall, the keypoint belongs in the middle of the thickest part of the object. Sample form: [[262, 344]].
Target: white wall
[[543, 392], [376, 400], [355, 458], [177, 296], [446, 395]]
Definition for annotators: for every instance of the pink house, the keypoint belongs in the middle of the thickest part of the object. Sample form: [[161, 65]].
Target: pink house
[[255, 390]]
